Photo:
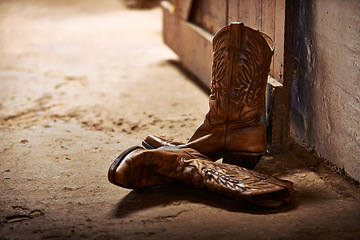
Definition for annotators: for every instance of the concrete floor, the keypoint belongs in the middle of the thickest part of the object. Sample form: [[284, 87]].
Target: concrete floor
[[81, 81]]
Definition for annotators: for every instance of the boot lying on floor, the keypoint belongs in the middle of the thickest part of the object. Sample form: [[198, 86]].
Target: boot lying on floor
[[138, 168], [232, 129]]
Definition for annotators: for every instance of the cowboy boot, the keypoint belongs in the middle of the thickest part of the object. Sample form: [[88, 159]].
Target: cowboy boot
[[138, 168], [232, 128]]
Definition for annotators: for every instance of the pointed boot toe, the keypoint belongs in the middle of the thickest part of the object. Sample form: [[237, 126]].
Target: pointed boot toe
[[133, 169], [114, 166]]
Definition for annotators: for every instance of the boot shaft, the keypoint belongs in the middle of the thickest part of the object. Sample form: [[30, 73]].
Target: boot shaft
[[241, 62]]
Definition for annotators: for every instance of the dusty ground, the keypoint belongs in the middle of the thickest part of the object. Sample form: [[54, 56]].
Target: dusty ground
[[82, 82]]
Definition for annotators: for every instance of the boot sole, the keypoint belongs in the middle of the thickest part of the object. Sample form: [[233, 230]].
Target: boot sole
[[116, 163], [147, 145]]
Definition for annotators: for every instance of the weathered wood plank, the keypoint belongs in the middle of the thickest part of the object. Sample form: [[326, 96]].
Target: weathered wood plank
[[209, 14], [233, 11], [273, 111], [267, 24], [191, 43], [244, 12], [256, 13], [288, 67], [278, 73], [183, 8]]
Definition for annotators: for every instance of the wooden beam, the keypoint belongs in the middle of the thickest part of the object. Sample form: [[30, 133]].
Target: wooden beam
[[191, 43], [210, 15], [273, 111], [183, 8], [288, 67]]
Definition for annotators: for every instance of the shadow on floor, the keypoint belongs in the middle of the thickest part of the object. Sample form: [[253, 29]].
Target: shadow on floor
[[166, 195]]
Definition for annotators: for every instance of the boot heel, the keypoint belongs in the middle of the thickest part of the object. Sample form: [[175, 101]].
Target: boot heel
[[242, 159]]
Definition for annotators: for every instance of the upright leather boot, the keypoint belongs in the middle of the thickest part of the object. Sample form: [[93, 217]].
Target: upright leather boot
[[138, 168], [232, 128]]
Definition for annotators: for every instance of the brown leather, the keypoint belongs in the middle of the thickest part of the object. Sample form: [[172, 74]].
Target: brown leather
[[232, 127], [139, 168], [152, 142]]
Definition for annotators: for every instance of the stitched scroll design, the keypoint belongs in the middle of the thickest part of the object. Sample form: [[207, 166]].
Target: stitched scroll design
[[219, 69], [219, 82], [227, 179], [239, 75], [252, 68]]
